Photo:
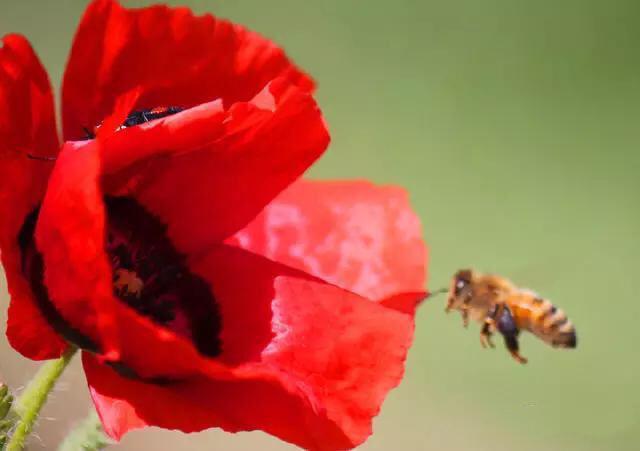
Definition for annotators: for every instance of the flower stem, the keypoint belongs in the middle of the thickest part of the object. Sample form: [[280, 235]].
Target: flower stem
[[28, 406], [87, 436]]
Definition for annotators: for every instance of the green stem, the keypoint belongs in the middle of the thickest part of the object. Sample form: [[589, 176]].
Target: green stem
[[30, 403], [86, 436]]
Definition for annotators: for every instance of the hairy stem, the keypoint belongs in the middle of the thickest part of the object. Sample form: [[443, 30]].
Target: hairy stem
[[86, 436], [28, 406]]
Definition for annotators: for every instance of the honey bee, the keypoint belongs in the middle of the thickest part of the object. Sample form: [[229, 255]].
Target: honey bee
[[500, 306]]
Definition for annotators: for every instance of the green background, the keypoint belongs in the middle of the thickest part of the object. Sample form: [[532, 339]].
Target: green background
[[514, 125]]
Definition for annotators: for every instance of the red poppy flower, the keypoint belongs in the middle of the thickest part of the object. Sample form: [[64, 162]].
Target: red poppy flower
[[206, 286]]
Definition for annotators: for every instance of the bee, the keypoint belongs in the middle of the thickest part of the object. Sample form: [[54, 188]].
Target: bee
[[500, 306]]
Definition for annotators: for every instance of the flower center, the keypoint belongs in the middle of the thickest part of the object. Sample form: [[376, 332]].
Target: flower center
[[152, 277], [149, 275]]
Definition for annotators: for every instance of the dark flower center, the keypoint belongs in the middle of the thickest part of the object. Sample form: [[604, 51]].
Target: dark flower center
[[149, 275], [152, 277]]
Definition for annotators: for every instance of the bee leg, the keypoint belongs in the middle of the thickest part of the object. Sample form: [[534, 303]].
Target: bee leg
[[485, 333], [449, 305], [512, 345], [507, 327], [488, 327], [465, 311], [465, 315]]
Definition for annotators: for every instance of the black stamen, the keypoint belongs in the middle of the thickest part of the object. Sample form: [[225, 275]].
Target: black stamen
[[149, 275], [159, 284]]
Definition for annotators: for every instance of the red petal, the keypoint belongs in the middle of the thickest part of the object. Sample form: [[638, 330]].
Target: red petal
[[313, 363], [404, 302], [207, 172], [27, 126], [123, 106], [243, 286], [179, 168], [176, 58], [78, 276], [356, 235], [27, 330], [349, 352], [352, 351], [27, 123], [245, 404], [318, 373], [70, 235]]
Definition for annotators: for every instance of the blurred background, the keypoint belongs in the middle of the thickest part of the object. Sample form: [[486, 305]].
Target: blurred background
[[514, 125]]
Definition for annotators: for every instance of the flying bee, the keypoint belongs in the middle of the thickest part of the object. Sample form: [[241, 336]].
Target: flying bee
[[500, 306]]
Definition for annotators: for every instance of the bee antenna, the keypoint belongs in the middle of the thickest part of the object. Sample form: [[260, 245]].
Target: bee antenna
[[437, 292]]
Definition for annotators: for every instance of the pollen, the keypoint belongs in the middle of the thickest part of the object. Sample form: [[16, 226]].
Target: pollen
[[127, 283], [152, 277]]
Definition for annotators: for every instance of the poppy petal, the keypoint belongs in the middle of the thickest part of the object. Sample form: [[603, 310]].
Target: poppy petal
[[27, 128], [354, 234], [174, 57], [351, 350], [265, 403], [348, 350], [71, 225], [405, 302], [206, 172], [321, 359], [70, 236], [328, 362]]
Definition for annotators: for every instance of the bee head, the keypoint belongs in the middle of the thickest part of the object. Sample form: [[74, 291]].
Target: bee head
[[459, 288]]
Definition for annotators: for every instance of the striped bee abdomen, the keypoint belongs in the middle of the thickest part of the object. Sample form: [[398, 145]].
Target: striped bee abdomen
[[545, 320]]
